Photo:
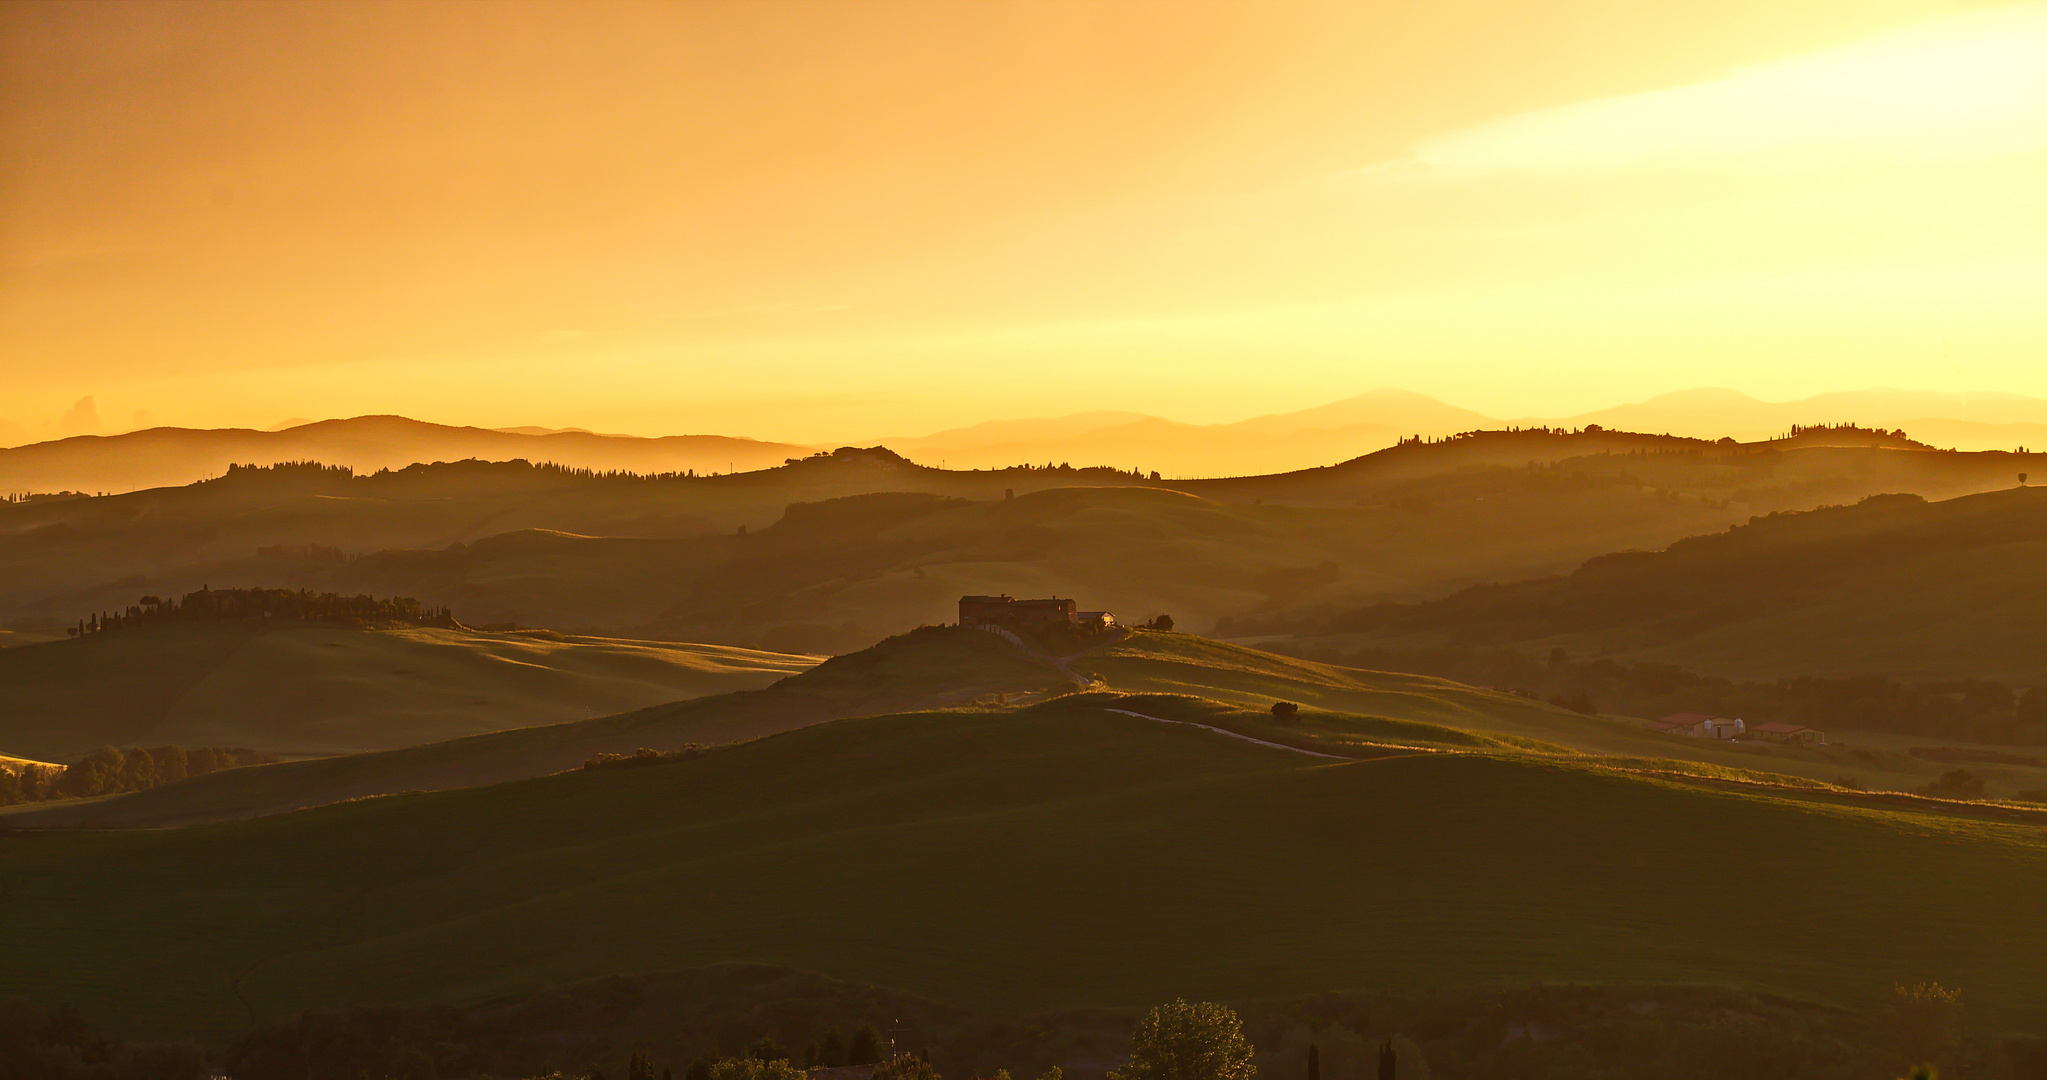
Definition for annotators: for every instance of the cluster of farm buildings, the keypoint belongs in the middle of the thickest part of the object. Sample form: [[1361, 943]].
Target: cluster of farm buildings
[[1706, 726], [1008, 612]]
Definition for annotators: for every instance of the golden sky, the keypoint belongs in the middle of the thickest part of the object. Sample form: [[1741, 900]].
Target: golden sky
[[818, 222]]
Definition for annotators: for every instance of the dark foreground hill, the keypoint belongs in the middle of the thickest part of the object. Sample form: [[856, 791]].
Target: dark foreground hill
[[1893, 585], [637, 556], [1062, 857]]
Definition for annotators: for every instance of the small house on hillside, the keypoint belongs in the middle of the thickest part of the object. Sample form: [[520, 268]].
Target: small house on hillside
[[1700, 726], [1790, 733], [1006, 610]]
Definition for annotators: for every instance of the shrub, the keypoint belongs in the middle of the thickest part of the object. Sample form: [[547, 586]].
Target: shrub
[[1188, 1041], [643, 756], [1955, 784], [750, 1068]]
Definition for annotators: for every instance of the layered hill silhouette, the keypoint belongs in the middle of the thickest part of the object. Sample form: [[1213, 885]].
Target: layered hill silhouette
[[881, 544], [295, 688], [1344, 429], [1893, 584], [1279, 442], [1979, 421], [1145, 859], [172, 457]]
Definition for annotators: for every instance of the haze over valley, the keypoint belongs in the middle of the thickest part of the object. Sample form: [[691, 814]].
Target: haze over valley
[[1023, 541]]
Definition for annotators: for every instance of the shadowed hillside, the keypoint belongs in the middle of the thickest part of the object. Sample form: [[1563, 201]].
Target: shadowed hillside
[[635, 556], [929, 668], [1893, 585], [1148, 860], [291, 687]]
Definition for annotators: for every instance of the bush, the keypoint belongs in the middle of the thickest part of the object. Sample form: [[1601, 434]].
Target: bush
[[1955, 784], [750, 1068], [643, 756], [1188, 1041], [906, 1068], [1285, 711]]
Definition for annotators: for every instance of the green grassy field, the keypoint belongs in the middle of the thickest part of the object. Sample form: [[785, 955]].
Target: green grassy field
[[1062, 856], [309, 688]]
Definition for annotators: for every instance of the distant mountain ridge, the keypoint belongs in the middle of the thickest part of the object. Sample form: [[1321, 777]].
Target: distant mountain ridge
[[1965, 421], [1325, 434], [1262, 445], [170, 457]]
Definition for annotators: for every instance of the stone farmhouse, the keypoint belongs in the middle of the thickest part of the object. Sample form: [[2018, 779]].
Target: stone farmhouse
[[1008, 612]]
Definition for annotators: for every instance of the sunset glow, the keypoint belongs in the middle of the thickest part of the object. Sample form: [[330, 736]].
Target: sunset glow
[[815, 223]]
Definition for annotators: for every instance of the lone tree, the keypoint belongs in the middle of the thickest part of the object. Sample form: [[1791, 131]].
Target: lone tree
[[1285, 712], [1314, 1062], [1188, 1041]]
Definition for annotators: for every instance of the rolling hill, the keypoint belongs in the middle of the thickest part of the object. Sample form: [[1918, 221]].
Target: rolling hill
[[1893, 584], [1062, 856], [930, 668], [303, 688], [624, 556], [1170, 675]]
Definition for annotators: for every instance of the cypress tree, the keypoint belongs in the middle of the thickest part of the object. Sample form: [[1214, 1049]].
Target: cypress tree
[[1314, 1062]]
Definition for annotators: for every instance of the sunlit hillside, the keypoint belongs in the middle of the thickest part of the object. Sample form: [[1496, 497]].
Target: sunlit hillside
[[293, 688], [1346, 711]]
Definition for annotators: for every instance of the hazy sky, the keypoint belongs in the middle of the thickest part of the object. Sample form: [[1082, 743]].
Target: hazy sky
[[829, 221]]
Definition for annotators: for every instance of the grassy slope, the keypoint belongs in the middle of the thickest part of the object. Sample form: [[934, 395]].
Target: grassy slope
[[930, 668], [945, 667], [308, 688], [1896, 586], [1148, 662], [1063, 856]]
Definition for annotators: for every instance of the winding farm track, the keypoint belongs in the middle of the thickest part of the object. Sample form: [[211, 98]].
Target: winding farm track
[[1234, 735]]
